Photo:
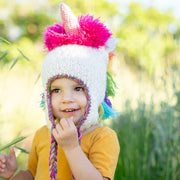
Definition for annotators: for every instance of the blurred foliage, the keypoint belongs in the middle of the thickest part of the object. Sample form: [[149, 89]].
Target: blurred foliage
[[10, 54], [31, 24], [149, 40], [149, 137]]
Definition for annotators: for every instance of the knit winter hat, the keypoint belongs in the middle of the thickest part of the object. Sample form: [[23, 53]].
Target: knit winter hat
[[79, 50]]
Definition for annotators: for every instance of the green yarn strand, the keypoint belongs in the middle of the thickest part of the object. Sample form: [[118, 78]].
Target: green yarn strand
[[101, 112], [111, 85]]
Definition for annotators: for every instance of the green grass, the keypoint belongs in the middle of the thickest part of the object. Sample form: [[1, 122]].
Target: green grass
[[149, 141]]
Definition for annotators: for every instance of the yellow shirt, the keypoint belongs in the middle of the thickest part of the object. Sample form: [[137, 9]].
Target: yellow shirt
[[101, 147]]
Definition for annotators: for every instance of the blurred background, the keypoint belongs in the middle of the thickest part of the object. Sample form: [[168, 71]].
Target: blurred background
[[146, 69]]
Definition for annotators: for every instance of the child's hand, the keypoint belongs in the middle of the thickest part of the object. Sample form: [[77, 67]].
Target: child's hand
[[66, 134], [8, 164]]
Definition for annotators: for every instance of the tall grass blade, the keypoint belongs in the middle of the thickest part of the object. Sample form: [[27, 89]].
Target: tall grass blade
[[23, 54], [37, 78], [12, 143], [4, 40], [21, 149], [4, 54], [15, 61]]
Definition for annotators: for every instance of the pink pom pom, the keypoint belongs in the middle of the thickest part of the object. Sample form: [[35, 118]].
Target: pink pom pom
[[91, 33]]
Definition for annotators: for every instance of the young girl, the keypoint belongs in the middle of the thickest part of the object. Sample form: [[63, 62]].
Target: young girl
[[74, 74]]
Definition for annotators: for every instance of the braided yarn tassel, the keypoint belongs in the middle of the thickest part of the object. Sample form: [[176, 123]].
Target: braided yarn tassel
[[53, 156]]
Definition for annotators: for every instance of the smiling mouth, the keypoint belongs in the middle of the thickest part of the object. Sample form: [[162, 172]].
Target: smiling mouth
[[69, 110]]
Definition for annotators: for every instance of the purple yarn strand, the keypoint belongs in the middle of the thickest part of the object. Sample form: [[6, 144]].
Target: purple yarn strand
[[108, 102]]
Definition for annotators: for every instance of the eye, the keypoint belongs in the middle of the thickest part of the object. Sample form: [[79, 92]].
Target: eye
[[55, 91], [79, 89]]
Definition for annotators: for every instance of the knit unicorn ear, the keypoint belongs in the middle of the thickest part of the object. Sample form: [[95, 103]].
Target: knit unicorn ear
[[70, 21], [111, 44]]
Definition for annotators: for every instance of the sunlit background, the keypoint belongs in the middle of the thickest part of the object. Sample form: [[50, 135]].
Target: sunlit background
[[146, 69]]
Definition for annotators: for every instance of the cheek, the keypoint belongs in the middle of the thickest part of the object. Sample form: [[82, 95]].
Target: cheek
[[84, 102], [54, 106], [53, 102]]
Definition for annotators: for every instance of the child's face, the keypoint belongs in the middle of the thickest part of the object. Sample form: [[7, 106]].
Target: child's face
[[68, 99]]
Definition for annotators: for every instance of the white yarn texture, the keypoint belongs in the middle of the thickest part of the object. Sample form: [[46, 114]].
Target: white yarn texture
[[85, 63]]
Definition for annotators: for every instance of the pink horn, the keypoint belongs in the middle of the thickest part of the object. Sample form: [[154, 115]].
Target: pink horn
[[70, 21]]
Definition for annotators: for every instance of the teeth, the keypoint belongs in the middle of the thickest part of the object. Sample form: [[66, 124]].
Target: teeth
[[69, 110]]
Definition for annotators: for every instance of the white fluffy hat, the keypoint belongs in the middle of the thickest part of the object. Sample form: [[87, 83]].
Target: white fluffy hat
[[79, 50]]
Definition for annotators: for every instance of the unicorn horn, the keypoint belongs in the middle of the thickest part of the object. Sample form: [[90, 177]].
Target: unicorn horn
[[70, 21]]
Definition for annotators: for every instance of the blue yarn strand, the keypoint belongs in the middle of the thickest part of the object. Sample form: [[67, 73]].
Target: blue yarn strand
[[109, 112], [42, 103]]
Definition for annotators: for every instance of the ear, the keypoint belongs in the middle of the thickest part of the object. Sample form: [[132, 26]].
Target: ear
[[111, 44]]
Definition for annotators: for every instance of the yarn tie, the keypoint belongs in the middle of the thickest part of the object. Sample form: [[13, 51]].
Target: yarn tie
[[53, 156]]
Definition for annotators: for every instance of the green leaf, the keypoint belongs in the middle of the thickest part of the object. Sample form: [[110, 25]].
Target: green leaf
[[37, 78], [4, 40], [15, 61], [21, 149], [12, 143], [23, 54], [4, 54]]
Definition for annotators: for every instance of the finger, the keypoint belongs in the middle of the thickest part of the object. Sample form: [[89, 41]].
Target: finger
[[12, 154], [2, 165], [1, 170], [71, 122], [2, 158], [64, 123], [59, 128]]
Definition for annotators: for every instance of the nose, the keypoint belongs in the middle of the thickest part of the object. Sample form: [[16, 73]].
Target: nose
[[67, 97]]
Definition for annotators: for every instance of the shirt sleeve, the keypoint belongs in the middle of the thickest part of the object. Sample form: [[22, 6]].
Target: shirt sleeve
[[33, 158], [104, 153]]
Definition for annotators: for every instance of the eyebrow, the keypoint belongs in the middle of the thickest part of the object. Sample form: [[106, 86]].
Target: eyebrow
[[54, 87]]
